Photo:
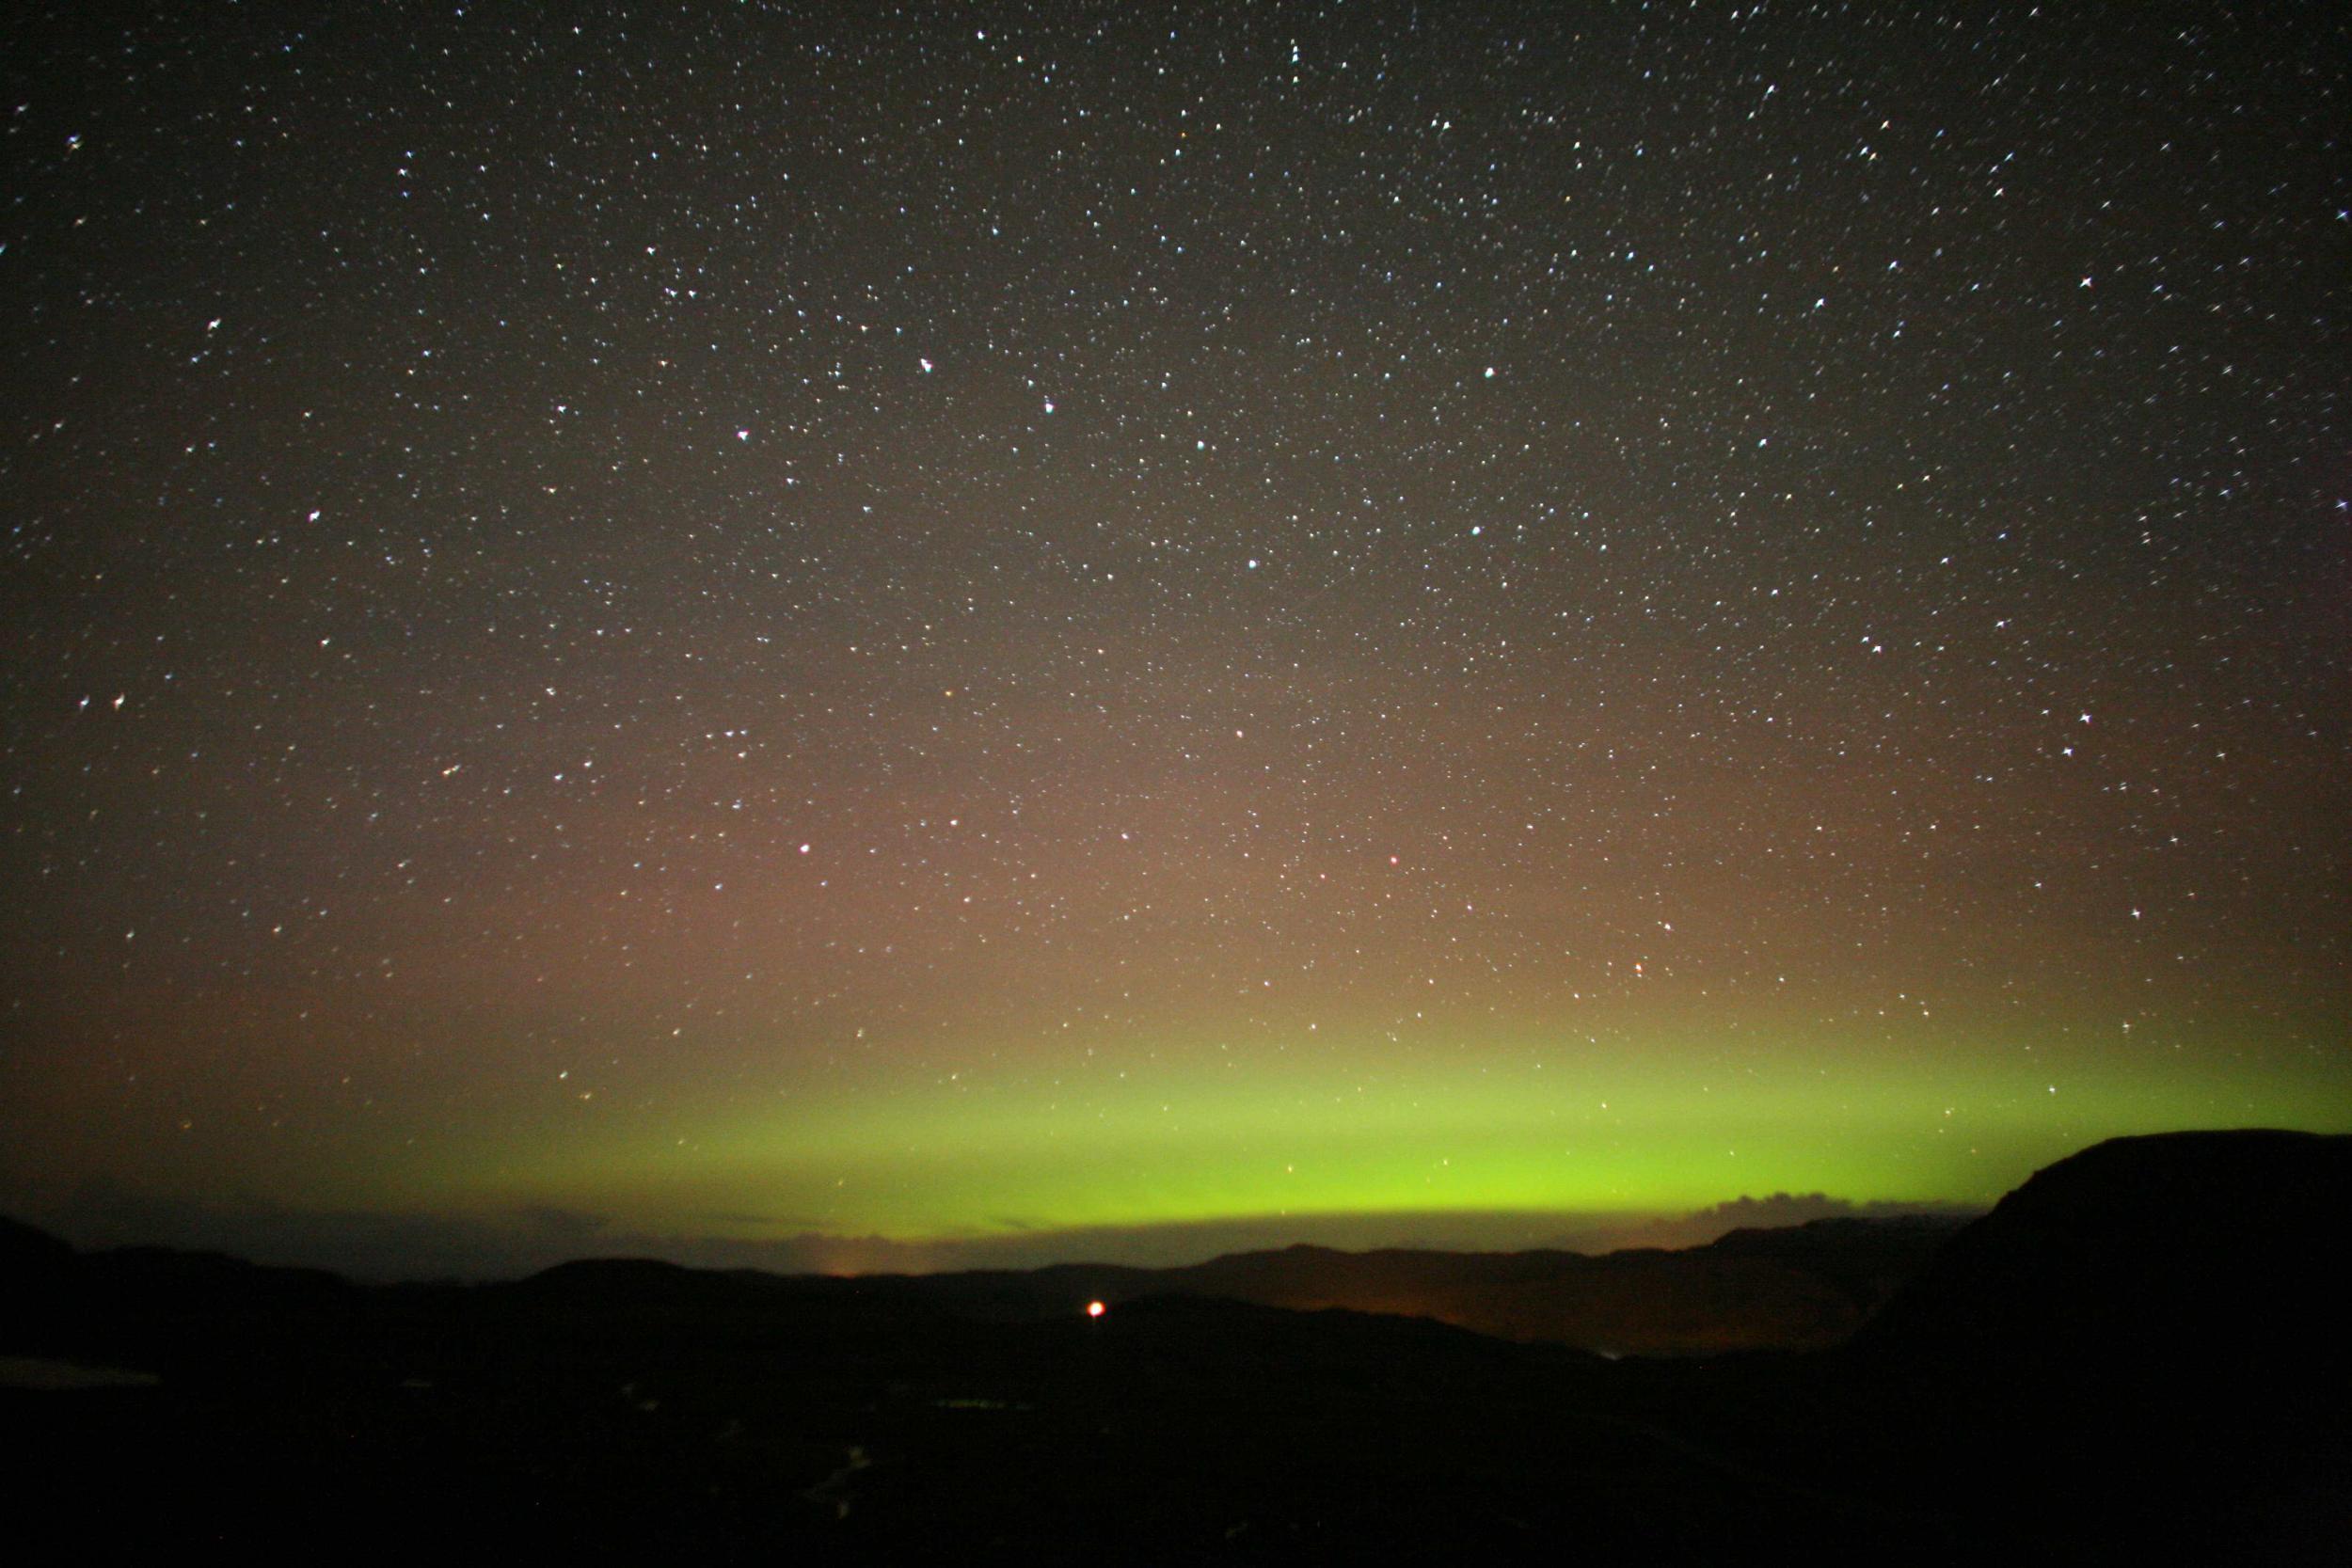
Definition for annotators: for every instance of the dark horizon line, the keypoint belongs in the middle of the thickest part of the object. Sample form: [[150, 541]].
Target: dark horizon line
[[412, 1246]]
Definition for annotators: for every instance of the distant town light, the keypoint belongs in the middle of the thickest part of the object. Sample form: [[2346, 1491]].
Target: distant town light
[[1094, 1309]]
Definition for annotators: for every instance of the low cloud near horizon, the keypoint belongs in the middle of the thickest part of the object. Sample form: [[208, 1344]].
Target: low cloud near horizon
[[406, 1246]]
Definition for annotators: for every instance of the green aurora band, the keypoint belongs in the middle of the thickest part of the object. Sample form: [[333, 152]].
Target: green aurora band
[[1511, 1132]]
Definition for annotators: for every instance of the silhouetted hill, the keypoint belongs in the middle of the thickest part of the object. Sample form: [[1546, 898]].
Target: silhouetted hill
[[2153, 1327], [2135, 1356], [1634, 1302], [38, 1275], [637, 1283], [2143, 1264], [26, 1252], [1869, 1259], [211, 1280], [1789, 1290], [1749, 1295]]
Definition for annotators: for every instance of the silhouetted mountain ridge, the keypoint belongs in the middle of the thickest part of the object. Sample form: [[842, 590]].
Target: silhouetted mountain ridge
[[2183, 1250], [2134, 1355], [1803, 1287], [1809, 1291]]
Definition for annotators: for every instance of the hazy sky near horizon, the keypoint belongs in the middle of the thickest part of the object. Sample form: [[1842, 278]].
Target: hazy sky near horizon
[[951, 624]]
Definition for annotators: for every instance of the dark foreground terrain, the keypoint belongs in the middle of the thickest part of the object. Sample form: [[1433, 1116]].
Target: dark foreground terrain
[[2133, 1358]]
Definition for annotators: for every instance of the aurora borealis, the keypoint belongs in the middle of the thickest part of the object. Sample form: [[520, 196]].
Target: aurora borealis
[[765, 623]]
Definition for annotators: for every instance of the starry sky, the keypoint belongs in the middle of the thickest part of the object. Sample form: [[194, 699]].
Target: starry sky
[[958, 625]]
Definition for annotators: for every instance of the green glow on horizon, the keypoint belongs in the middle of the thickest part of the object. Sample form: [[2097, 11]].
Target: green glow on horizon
[[1189, 1140]]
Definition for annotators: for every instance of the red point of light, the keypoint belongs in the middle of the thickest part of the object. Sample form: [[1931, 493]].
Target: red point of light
[[1094, 1309]]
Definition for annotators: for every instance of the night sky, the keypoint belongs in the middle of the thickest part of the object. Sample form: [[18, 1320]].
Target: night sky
[[1041, 627]]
